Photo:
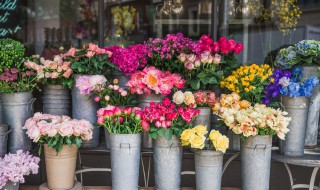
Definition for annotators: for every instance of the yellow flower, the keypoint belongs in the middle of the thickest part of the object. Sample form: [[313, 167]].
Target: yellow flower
[[200, 130], [272, 80], [189, 98], [221, 143], [214, 134], [244, 104], [197, 141], [186, 135], [185, 143]]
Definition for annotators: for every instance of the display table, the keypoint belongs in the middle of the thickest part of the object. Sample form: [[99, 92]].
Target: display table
[[310, 159]]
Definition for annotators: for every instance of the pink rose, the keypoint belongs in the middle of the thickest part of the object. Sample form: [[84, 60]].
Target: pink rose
[[191, 58], [109, 53], [124, 93], [65, 66], [34, 133], [66, 129], [54, 75], [71, 52], [182, 57], [231, 44], [90, 54], [205, 57], [100, 121], [93, 47], [200, 97], [216, 47], [67, 73], [96, 98], [216, 59], [145, 126], [188, 65], [186, 116], [238, 48]]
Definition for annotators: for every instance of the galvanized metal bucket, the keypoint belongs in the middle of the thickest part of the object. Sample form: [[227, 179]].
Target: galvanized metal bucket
[[56, 100], [297, 109], [1, 112], [107, 138], [125, 160], [144, 101], [255, 162], [4, 132], [204, 118], [11, 186], [167, 163], [123, 79], [208, 166], [17, 108], [85, 108], [314, 108], [234, 139]]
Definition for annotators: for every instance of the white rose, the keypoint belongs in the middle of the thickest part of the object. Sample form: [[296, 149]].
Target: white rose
[[178, 97]]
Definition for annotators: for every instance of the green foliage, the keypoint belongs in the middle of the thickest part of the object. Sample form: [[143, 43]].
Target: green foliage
[[11, 53], [58, 141]]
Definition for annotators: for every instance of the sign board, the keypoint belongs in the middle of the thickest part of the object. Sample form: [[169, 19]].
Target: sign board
[[10, 17]]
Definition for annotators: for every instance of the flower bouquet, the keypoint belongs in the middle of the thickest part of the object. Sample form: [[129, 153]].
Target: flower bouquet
[[210, 62], [89, 61], [104, 92], [123, 18], [124, 127], [151, 80], [163, 53], [52, 72], [11, 54], [248, 82], [61, 137], [208, 155], [13, 168]]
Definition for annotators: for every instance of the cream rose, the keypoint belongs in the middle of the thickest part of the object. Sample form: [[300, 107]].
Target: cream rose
[[221, 143], [178, 97], [214, 134], [189, 98]]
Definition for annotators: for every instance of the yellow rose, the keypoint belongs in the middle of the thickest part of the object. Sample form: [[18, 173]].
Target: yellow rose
[[244, 104], [178, 97], [186, 135], [214, 134], [200, 130], [197, 141], [221, 143], [185, 143], [189, 98]]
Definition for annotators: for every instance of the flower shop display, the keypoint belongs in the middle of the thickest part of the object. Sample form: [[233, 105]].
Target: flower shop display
[[163, 53], [16, 85], [211, 61], [123, 18], [208, 155], [152, 84], [60, 136], [4, 132], [124, 127], [256, 124], [200, 99], [56, 76], [13, 168], [165, 122], [248, 82]]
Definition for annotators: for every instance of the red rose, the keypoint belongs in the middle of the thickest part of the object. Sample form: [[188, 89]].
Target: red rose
[[238, 48]]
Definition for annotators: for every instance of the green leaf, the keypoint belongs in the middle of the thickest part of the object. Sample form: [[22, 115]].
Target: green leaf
[[201, 75], [212, 80], [168, 134], [161, 132], [78, 142], [153, 135], [68, 141], [195, 84]]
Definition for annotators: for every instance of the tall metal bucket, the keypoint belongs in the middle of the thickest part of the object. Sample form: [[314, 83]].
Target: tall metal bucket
[[84, 108], [144, 100], [314, 108], [56, 100], [107, 138], [208, 165], [167, 163], [125, 160], [255, 162], [11, 186], [17, 108], [234, 139], [297, 109], [4, 132], [123, 79], [1, 112], [204, 118]]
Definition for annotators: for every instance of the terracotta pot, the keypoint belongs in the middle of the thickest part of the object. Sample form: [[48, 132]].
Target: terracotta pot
[[60, 168]]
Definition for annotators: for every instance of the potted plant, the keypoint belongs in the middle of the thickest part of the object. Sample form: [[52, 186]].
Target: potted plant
[[60, 136], [152, 84], [305, 54], [208, 155], [165, 122], [56, 75], [295, 93], [90, 60], [13, 168], [256, 125], [200, 99], [16, 85], [124, 127], [209, 62]]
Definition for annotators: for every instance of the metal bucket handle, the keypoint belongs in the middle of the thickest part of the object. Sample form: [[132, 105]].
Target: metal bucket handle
[[31, 103], [5, 134], [260, 146], [126, 145]]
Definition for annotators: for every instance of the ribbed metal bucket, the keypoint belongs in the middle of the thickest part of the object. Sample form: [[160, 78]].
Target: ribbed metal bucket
[[1, 112], [107, 138], [297, 109], [84, 108], [144, 100], [56, 100], [125, 160], [17, 108], [123, 79], [234, 139], [4, 132], [204, 118], [167, 163], [11, 186], [208, 165], [314, 108], [255, 162]]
